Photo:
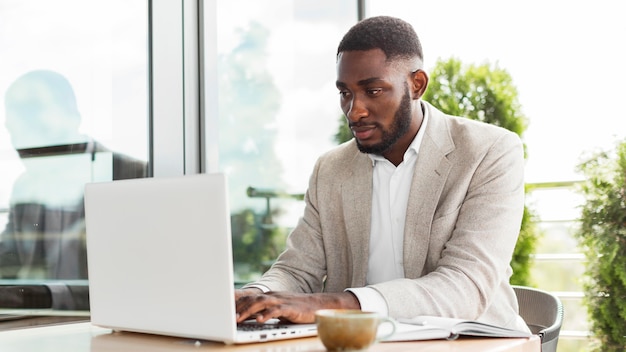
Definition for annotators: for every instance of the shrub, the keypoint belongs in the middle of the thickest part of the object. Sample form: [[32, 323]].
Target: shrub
[[602, 236]]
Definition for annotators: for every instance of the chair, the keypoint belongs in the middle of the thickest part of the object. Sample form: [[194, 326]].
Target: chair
[[543, 313]]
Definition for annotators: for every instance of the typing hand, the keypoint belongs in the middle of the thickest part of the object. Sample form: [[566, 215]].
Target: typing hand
[[247, 292], [292, 307]]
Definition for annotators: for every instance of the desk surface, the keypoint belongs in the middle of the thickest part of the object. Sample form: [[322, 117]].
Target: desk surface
[[79, 337]]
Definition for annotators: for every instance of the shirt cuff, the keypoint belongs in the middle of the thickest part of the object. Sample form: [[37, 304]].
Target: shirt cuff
[[263, 288], [370, 300]]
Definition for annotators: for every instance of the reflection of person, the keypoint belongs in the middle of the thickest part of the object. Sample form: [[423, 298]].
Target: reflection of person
[[417, 215], [44, 236]]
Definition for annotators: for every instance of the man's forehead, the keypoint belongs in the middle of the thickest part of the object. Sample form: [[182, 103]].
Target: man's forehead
[[352, 62], [371, 54], [368, 66]]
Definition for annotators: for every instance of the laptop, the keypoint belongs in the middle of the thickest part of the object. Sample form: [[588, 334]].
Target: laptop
[[160, 260]]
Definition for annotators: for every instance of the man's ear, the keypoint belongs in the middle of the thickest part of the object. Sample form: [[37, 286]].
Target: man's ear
[[419, 81]]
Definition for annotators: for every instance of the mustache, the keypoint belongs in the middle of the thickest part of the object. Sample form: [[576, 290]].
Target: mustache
[[361, 124]]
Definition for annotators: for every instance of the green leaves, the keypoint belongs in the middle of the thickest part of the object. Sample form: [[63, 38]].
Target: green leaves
[[480, 92], [602, 236]]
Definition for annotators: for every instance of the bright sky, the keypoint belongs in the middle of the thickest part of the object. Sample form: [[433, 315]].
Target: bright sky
[[565, 57]]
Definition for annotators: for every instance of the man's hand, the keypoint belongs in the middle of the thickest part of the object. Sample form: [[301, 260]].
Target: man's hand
[[292, 307], [250, 291]]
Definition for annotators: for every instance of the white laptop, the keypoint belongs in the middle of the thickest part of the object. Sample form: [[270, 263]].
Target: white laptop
[[160, 260]]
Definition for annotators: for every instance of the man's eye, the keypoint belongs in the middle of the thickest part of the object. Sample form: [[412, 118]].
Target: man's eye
[[374, 91], [344, 93]]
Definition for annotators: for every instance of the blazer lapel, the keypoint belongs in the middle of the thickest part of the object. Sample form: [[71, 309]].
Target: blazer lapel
[[356, 193], [430, 174]]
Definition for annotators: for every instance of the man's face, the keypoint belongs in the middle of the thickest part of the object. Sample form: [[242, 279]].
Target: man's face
[[375, 99]]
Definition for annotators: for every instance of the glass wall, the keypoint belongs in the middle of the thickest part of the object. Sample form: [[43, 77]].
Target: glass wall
[[81, 93], [74, 109], [278, 111]]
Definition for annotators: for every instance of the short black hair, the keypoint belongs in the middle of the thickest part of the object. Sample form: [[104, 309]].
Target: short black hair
[[395, 37]]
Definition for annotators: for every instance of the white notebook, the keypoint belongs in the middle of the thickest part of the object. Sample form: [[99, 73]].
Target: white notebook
[[160, 260], [432, 327]]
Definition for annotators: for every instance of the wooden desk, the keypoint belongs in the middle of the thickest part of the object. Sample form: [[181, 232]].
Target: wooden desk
[[77, 337]]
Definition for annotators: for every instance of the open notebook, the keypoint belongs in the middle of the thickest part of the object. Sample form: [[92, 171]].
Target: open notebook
[[160, 260], [432, 327]]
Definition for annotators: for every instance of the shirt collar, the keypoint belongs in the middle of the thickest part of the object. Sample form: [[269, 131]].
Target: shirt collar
[[415, 144]]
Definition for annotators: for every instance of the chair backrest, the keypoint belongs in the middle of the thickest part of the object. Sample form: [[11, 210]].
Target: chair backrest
[[543, 313]]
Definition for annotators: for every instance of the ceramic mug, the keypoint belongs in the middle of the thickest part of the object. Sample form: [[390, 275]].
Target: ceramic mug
[[350, 329]]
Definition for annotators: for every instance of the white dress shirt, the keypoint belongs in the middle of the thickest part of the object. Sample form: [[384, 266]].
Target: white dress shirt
[[390, 195]]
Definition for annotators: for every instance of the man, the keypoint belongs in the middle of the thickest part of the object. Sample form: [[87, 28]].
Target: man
[[417, 215]]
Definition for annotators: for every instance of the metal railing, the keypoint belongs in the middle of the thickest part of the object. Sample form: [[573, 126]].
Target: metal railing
[[574, 257]]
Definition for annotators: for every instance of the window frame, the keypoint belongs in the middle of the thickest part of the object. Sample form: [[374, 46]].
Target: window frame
[[182, 36]]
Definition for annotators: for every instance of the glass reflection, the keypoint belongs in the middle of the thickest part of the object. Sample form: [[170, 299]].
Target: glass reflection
[[278, 111], [45, 235], [74, 109]]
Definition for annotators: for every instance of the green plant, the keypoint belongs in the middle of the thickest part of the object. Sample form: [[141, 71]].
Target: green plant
[[602, 236], [256, 244], [524, 248]]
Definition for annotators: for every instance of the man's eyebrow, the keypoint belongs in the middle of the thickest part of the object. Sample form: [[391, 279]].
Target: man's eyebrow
[[367, 81], [363, 82]]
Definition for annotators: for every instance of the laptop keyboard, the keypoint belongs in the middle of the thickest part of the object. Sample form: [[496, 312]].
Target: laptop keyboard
[[254, 326]]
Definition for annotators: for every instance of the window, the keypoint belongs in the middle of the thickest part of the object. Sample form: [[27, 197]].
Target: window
[[278, 111], [74, 98]]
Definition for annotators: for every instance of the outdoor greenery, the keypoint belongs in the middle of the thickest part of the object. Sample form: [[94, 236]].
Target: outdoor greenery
[[249, 100], [256, 243], [485, 93], [602, 236], [480, 92]]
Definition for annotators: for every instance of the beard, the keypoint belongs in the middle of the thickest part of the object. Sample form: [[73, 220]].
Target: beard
[[400, 126]]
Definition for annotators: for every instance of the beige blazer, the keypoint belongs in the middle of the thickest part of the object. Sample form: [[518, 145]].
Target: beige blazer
[[463, 218]]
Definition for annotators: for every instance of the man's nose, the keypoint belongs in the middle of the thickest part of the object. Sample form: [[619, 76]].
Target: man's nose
[[357, 110]]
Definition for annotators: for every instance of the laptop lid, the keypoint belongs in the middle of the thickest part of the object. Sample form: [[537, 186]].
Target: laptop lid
[[160, 259], [159, 256]]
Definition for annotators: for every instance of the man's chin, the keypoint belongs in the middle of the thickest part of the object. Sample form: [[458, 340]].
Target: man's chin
[[370, 149]]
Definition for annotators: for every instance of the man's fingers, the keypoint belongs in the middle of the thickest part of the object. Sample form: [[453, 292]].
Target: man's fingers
[[252, 306], [270, 312], [287, 307]]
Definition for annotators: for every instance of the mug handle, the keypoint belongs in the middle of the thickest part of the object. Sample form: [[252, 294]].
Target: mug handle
[[383, 320]]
